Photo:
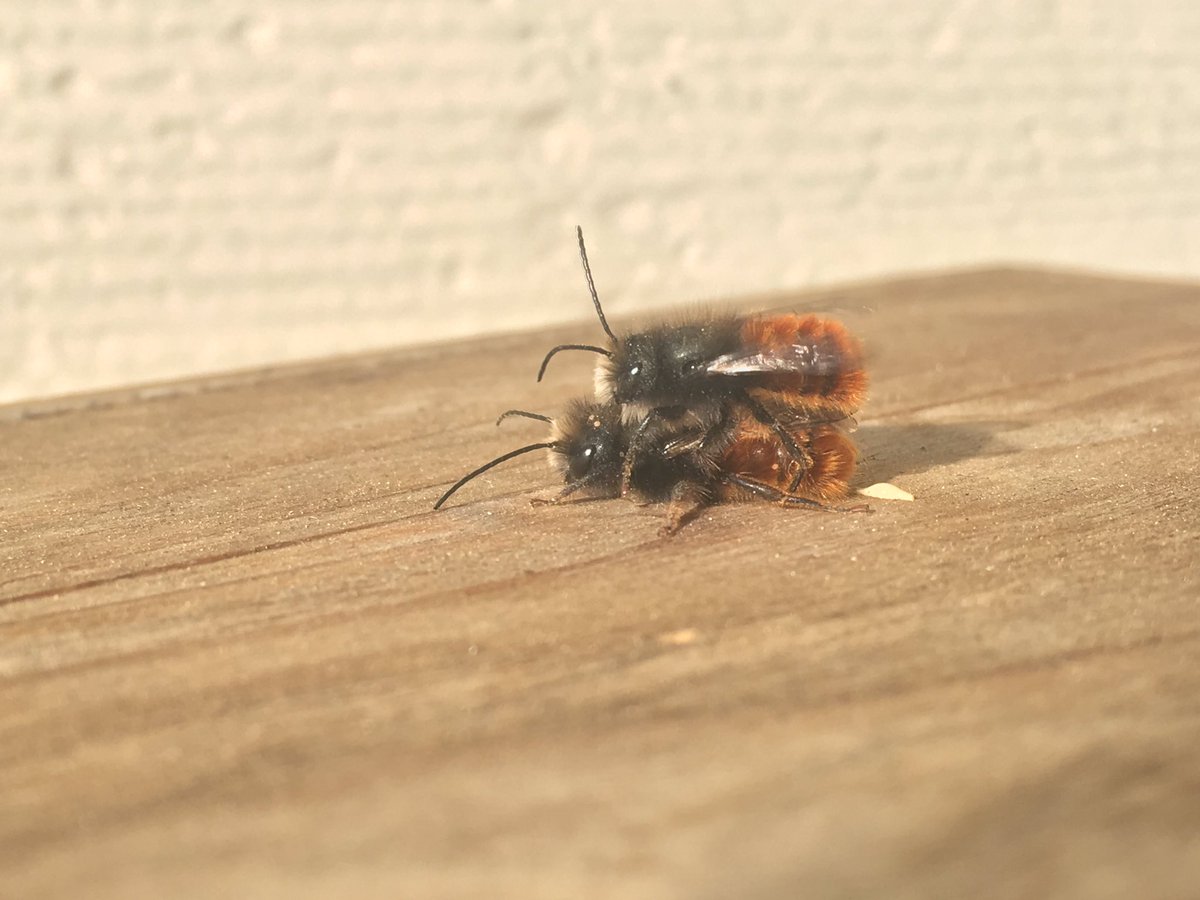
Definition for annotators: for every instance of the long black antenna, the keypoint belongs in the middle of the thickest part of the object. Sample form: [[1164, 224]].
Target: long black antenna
[[589, 347], [524, 415], [486, 466], [587, 270]]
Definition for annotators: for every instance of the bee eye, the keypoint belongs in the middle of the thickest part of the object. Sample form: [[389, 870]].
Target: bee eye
[[635, 370], [581, 462]]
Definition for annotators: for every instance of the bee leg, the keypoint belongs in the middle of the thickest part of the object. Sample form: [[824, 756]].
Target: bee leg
[[632, 450], [802, 469], [789, 500], [784, 499], [627, 472], [561, 496], [721, 430], [558, 500], [687, 499], [803, 460]]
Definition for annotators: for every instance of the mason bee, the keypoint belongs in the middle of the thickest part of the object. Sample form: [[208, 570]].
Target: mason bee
[[785, 370], [589, 445]]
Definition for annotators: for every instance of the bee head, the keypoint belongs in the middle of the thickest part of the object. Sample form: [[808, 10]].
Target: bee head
[[631, 373], [588, 446]]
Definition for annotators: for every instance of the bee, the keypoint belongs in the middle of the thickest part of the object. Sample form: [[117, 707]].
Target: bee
[[589, 445], [785, 370]]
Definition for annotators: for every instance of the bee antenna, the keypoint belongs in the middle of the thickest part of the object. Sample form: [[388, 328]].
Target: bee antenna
[[587, 271], [495, 462], [588, 347], [525, 415]]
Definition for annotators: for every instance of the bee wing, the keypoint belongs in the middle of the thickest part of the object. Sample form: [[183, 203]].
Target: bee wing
[[814, 419], [848, 425], [800, 358]]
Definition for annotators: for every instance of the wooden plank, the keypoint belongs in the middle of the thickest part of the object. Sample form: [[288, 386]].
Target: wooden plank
[[241, 656]]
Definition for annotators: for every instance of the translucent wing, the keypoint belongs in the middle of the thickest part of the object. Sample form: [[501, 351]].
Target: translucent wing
[[810, 366], [819, 358], [806, 346]]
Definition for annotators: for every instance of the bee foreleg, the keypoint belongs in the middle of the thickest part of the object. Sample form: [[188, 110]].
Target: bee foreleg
[[561, 496], [632, 450]]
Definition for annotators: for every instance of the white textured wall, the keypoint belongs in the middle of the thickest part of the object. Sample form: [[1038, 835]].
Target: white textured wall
[[193, 186]]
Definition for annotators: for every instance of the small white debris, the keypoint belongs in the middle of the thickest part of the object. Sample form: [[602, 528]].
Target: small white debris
[[679, 638], [884, 491]]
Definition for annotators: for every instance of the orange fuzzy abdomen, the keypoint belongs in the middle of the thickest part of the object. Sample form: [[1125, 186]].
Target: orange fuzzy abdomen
[[757, 453], [827, 377]]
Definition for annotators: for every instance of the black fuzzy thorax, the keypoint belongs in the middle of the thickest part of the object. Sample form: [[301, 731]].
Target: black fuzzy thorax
[[665, 365]]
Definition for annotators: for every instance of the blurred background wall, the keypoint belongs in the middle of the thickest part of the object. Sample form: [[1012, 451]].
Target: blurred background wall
[[194, 186]]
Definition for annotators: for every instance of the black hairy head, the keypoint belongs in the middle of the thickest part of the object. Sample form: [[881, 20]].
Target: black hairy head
[[588, 446]]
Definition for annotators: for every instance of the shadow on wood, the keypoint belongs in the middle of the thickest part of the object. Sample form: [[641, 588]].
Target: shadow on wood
[[890, 451]]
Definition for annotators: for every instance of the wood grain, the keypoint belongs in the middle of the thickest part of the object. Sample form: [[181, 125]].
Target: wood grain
[[240, 656]]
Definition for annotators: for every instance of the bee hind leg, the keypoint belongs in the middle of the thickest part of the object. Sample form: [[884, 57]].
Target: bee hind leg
[[802, 459], [785, 499]]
